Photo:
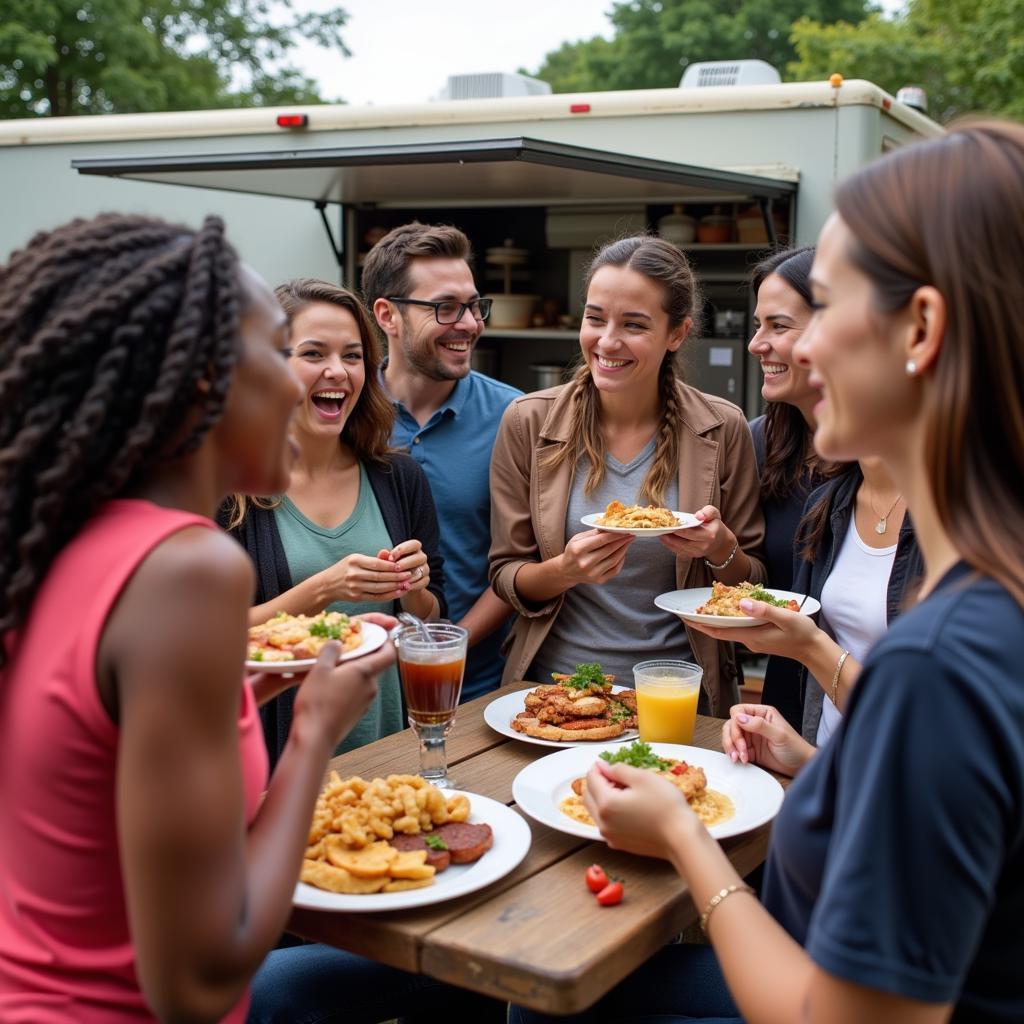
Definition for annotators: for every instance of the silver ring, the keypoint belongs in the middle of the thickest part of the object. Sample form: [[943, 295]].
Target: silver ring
[[419, 572]]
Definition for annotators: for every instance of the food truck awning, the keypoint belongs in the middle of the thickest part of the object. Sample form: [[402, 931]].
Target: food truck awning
[[488, 172]]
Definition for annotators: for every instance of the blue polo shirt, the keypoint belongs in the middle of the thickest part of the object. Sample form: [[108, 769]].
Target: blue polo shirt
[[897, 859], [454, 449]]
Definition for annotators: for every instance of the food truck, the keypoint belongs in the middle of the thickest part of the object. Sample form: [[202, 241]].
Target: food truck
[[536, 181]]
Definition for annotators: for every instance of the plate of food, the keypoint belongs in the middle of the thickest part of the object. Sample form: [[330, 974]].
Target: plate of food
[[719, 605], [639, 520], [580, 709], [399, 842], [288, 644], [729, 798]]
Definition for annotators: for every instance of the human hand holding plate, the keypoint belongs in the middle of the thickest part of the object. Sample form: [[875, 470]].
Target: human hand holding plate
[[780, 631]]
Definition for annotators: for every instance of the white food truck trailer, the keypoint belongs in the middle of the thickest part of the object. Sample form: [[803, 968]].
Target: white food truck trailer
[[537, 180]]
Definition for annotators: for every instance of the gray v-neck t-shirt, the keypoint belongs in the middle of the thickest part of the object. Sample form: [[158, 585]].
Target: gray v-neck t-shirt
[[616, 623]]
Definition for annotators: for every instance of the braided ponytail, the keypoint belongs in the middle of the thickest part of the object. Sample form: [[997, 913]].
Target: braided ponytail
[[106, 327]]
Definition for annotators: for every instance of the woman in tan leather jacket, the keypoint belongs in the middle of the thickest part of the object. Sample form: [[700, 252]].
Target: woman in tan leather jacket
[[626, 419]]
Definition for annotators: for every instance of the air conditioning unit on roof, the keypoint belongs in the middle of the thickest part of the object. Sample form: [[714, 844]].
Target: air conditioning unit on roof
[[492, 85], [729, 72]]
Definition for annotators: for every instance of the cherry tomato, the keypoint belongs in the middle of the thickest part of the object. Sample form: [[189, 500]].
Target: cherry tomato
[[595, 878], [610, 894]]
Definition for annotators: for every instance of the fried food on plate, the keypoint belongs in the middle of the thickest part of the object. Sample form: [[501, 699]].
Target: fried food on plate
[[709, 805], [580, 706], [295, 637], [725, 600], [388, 835], [637, 517]]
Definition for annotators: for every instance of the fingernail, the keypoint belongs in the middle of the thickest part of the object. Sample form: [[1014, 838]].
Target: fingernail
[[746, 605], [734, 756], [743, 719]]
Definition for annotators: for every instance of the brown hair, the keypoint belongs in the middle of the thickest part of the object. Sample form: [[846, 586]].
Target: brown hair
[[386, 270], [664, 263], [949, 213], [368, 429]]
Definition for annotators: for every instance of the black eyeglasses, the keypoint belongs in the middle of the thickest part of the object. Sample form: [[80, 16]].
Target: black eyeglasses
[[449, 312]]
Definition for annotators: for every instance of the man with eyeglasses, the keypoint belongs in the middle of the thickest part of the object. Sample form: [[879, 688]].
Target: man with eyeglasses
[[418, 282]]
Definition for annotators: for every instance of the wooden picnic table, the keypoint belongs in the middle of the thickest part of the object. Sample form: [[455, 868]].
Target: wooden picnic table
[[536, 937]]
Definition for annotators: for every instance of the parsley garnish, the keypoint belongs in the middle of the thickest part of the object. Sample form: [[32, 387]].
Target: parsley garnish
[[435, 842], [758, 593], [638, 754], [585, 676], [332, 632], [620, 711], [256, 656]]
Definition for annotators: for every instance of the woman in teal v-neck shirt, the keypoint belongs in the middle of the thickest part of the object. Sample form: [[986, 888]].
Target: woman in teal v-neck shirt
[[356, 531]]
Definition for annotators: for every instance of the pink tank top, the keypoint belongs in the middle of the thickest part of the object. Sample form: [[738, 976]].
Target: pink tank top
[[65, 951]]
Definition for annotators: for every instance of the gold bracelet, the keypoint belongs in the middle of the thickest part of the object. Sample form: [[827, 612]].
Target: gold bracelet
[[718, 897], [836, 675]]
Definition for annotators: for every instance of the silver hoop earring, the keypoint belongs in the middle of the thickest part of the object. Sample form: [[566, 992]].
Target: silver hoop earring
[[911, 368]]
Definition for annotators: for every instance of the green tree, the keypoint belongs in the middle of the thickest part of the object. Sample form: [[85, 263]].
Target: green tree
[[654, 40], [63, 57], [967, 54]]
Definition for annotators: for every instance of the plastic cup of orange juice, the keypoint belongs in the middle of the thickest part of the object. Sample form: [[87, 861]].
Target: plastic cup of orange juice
[[666, 700]]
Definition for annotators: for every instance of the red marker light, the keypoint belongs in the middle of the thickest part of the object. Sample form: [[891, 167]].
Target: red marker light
[[292, 120], [579, 108]]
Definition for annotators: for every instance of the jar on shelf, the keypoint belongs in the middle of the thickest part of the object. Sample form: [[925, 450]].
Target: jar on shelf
[[715, 228]]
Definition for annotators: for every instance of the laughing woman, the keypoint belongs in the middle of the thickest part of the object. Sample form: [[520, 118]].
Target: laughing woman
[[356, 530], [894, 886], [625, 428]]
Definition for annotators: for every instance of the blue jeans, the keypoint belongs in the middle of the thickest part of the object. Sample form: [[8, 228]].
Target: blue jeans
[[679, 983], [315, 984]]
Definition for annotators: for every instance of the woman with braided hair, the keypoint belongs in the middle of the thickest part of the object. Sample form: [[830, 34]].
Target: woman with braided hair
[[141, 876], [626, 427]]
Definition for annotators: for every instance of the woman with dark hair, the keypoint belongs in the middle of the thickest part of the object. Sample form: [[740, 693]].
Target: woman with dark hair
[[625, 428], [787, 463], [848, 544], [144, 872], [355, 529], [894, 885]]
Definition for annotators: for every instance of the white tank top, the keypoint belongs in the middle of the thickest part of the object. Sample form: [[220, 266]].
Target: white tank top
[[853, 607]]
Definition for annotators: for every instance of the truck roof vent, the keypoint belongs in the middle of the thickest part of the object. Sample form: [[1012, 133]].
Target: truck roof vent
[[729, 72], [492, 85]]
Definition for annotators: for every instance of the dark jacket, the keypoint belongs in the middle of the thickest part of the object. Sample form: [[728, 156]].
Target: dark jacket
[[809, 578], [781, 521], [407, 507]]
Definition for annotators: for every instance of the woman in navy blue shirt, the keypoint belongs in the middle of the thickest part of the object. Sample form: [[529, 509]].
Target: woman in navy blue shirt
[[894, 888]]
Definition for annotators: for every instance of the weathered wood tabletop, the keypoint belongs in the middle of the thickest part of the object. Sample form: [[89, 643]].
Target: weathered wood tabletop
[[536, 937]]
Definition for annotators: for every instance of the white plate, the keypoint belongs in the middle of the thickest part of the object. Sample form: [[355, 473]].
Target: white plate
[[373, 637], [685, 602], [687, 520], [512, 839], [541, 786], [500, 712]]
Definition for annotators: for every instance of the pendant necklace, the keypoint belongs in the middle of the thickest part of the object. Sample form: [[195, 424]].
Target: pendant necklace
[[883, 521]]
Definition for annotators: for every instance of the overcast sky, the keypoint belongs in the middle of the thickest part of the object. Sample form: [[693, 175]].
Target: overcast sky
[[404, 50]]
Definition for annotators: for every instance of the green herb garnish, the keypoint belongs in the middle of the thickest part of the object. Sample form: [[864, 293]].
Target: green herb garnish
[[620, 711], [585, 677], [758, 593], [256, 656], [323, 629], [435, 842], [637, 754]]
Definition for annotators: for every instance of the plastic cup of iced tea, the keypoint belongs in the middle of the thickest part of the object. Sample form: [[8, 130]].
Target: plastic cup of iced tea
[[431, 669]]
